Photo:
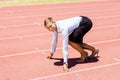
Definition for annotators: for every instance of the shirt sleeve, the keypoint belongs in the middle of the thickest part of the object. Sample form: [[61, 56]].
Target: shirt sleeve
[[65, 45], [54, 42]]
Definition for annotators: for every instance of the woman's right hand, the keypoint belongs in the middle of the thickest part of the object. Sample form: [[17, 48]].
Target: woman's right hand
[[65, 67]]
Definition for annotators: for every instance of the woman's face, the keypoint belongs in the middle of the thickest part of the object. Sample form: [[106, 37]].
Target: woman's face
[[51, 26]]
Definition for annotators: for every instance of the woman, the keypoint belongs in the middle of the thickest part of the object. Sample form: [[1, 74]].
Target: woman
[[72, 30]]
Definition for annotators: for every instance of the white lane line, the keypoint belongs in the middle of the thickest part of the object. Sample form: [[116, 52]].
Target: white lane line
[[116, 59], [107, 41], [102, 17], [43, 51], [17, 37], [25, 53], [40, 24], [108, 26], [99, 42], [77, 71], [67, 13], [58, 8], [19, 25]]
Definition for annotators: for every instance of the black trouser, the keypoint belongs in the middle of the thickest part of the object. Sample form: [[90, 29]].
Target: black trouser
[[78, 34]]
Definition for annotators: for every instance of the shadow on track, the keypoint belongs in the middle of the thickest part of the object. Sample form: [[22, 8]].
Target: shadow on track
[[74, 61]]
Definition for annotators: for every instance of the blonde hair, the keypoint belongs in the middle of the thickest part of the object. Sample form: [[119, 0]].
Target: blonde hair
[[50, 19]]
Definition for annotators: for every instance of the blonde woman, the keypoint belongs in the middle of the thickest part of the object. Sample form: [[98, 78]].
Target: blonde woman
[[72, 30]]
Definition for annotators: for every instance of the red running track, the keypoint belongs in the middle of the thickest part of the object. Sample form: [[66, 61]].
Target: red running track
[[24, 43]]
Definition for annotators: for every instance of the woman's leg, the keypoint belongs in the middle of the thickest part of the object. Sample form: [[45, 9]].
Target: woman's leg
[[88, 47], [77, 47], [91, 48]]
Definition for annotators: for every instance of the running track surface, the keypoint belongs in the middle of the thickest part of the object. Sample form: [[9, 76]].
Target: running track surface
[[24, 43]]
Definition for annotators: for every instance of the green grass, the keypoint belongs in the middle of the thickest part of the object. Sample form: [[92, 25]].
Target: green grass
[[31, 2]]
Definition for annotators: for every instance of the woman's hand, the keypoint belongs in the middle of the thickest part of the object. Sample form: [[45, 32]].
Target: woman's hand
[[50, 56], [65, 67]]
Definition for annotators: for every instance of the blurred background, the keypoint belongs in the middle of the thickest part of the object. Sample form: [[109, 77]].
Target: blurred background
[[32, 2]]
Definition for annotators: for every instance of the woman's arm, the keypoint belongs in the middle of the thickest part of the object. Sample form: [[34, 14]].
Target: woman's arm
[[54, 42], [53, 45], [65, 45]]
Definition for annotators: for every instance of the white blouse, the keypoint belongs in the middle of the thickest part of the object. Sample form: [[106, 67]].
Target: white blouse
[[65, 27]]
